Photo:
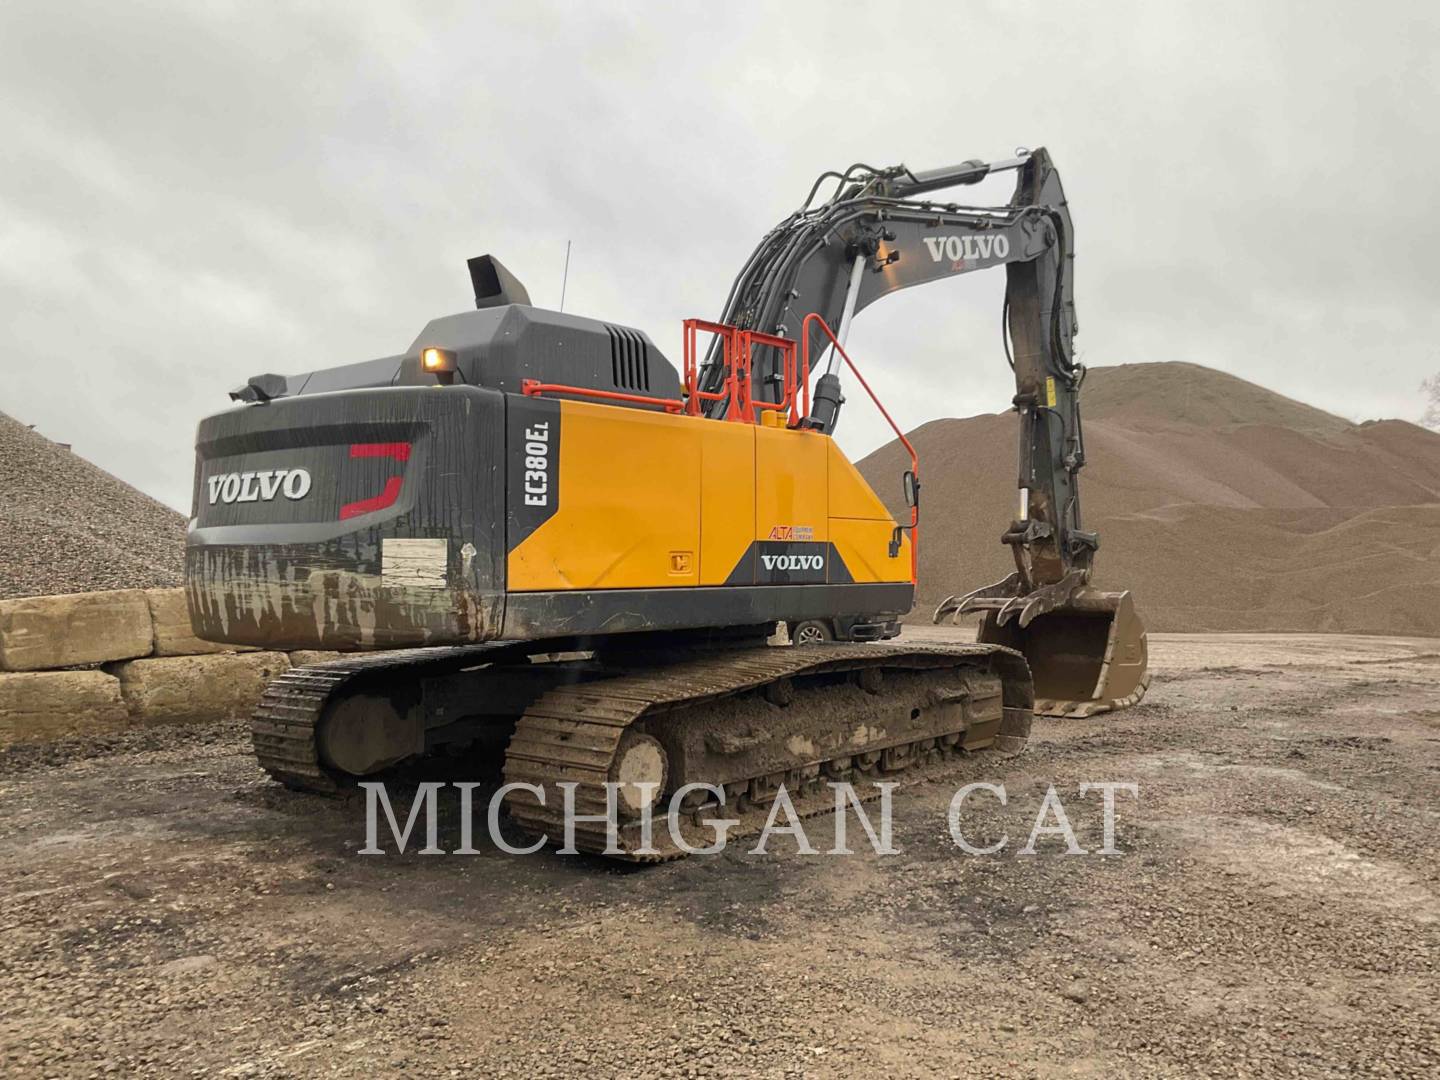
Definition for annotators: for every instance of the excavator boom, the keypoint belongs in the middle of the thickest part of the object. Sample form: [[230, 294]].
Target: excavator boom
[[876, 235]]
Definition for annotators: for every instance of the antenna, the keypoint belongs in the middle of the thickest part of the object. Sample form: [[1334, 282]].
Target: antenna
[[566, 277]]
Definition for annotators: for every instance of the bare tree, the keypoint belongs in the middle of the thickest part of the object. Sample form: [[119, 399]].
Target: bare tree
[[1431, 389]]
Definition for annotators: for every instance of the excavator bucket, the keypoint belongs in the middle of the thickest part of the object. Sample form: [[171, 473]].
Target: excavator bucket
[[1087, 656]]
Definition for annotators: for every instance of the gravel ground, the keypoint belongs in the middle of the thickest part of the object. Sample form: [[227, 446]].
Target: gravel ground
[[67, 526], [1275, 910]]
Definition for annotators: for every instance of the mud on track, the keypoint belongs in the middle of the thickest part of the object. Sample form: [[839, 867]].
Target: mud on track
[[164, 909]]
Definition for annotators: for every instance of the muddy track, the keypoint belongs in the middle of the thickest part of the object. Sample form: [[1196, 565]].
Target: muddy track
[[285, 726], [573, 734]]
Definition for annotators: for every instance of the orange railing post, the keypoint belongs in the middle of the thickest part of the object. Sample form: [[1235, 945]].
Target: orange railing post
[[815, 316]]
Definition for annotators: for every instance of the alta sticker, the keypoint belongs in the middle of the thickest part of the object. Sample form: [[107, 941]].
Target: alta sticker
[[792, 532]]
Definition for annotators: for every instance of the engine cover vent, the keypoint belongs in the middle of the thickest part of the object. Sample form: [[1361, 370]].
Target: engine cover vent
[[629, 360]]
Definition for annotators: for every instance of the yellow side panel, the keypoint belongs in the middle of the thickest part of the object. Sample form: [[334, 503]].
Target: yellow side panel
[[850, 495], [865, 548], [860, 526], [791, 491], [628, 515], [727, 494]]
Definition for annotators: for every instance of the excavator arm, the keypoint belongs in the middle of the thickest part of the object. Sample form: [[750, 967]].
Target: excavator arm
[[881, 232]]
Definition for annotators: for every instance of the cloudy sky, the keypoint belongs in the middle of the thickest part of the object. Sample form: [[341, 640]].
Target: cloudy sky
[[195, 192]]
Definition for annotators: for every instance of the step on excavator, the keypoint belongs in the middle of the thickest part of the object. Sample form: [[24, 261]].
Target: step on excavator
[[529, 536]]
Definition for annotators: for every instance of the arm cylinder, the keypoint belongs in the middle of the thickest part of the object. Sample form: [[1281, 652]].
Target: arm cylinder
[[969, 172]]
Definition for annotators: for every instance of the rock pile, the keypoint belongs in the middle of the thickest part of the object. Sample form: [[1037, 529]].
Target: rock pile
[[68, 526]]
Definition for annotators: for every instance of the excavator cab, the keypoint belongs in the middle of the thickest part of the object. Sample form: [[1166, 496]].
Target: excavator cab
[[1087, 656]]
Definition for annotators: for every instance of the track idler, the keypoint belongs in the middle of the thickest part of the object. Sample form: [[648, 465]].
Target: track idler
[[1087, 650]]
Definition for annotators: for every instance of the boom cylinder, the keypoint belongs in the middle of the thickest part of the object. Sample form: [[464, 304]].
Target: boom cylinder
[[825, 413]]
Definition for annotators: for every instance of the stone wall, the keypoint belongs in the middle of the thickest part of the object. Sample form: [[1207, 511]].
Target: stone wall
[[127, 659]]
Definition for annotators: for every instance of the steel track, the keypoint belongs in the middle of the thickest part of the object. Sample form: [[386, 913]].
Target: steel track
[[571, 733]]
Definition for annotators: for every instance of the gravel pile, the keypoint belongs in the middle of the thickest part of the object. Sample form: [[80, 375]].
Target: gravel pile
[[67, 526], [1222, 505]]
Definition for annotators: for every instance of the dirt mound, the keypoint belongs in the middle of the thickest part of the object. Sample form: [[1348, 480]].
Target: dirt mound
[[1222, 505], [68, 526], [1181, 393]]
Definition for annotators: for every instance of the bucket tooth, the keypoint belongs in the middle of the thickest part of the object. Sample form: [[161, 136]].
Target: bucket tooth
[[1008, 609], [952, 607]]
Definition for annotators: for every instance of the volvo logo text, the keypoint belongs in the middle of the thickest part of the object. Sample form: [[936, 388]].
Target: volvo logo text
[[258, 486], [956, 248], [793, 562]]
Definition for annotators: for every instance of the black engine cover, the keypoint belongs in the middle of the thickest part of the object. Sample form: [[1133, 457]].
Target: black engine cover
[[365, 519]]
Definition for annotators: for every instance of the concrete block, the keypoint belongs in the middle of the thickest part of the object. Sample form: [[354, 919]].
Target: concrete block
[[170, 620], [194, 689], [82, 628], [36, 706]]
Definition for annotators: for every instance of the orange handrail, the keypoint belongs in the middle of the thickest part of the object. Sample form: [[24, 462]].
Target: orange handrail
[[815, 316], [736, 352], [693, 394], [745, 342], [534, 388]]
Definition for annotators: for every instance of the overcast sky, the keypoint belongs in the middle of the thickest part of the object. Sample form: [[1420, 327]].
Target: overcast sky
[[193, 192]]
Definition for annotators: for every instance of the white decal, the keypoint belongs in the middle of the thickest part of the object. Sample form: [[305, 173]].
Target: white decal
[[793, 562], [258, 486], [537, 464], [415, 563], [969, 247]]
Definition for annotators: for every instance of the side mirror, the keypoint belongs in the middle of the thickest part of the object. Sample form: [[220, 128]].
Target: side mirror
[[912, 489]]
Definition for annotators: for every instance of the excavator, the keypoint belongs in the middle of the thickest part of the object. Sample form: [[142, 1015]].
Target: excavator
[[530, 535]]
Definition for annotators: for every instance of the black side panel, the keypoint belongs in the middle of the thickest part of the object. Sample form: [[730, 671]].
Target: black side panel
[[532, 466], [622, 611], [367, 518], [790, 562]]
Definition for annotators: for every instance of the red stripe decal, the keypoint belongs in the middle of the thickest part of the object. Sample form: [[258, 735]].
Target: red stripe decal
[[379, 502], [400, 451]]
